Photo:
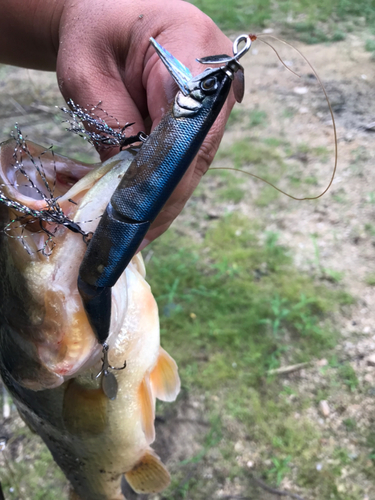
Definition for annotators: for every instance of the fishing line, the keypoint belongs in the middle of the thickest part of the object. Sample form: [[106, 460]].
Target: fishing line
[[253, 38]]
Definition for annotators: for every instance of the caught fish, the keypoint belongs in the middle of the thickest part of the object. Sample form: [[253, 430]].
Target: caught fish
[[71, 314], [49, 355]]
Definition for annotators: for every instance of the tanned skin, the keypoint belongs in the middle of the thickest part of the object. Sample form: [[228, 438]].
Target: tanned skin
[[101, 52]]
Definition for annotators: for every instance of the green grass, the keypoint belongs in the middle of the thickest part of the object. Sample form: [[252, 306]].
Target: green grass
[[370, 197], [266, 196], [248, 153], [370, 279], [370, 228], [339, 196], [245, 297], [236, 14], [29, 470], [309, 33], [313, 22], [236, 116], [279, 470], [348, 376], [232, 308], [265, 156], [230, 187], [257, 118], [350, 424], [273, 160], [325, 273], [370, 45]]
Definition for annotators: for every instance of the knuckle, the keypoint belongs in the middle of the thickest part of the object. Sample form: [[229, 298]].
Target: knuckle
[[206, 156]]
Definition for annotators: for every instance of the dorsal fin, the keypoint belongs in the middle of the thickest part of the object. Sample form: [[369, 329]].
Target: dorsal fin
[[147, 406], [149, 475], [164, 378]]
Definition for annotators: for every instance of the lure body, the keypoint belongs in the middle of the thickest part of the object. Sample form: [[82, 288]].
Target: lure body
[[151, 178]]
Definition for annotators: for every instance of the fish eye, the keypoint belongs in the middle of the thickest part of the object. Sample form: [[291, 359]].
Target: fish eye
[[209, 83]]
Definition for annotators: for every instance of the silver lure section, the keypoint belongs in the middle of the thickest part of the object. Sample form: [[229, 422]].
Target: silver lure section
[[182, 75], [237, 53]]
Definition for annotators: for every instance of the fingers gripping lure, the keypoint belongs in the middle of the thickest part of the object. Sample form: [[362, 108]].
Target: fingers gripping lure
[[153, 175]]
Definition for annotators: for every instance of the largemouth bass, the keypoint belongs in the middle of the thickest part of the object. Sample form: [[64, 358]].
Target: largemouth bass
[[49, 356]]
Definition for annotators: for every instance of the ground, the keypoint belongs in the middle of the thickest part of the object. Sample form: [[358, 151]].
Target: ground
[[307, 430]]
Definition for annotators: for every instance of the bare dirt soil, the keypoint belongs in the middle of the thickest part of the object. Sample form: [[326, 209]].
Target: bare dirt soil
[[332, 238]]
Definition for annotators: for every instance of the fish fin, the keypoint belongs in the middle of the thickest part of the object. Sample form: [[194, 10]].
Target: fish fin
[[164, 378], [84, 409], [147, 404], [149, 475]]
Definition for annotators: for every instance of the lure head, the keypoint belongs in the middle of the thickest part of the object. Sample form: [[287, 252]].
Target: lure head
[[208, 82], [206, 88]]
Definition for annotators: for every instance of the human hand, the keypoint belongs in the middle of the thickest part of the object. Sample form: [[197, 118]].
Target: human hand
[[104, 55]]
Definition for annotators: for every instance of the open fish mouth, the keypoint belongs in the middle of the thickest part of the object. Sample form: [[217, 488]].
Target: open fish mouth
[[34, 182], [46, 336]]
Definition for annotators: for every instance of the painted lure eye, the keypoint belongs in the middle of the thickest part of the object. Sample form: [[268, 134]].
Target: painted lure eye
[[209, 83]]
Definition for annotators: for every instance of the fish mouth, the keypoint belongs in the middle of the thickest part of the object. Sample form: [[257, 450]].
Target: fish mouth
[[37, 180], [41, 311], [30, 172], [40, 317]]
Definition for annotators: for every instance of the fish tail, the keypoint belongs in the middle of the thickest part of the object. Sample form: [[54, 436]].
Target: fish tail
[[149, 475]]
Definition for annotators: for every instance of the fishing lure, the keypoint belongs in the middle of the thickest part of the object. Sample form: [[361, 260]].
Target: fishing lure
[[102, 134], [153, 175]]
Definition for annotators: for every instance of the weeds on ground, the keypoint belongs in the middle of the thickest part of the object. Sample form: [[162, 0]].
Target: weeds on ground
[[250, 153], [229, 187], [370, 45], [273, 160], [325, 273], [313, 22], [257, 118], [236, 116], [370, 279], [237, 14], [233, 307], [27, 469]]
